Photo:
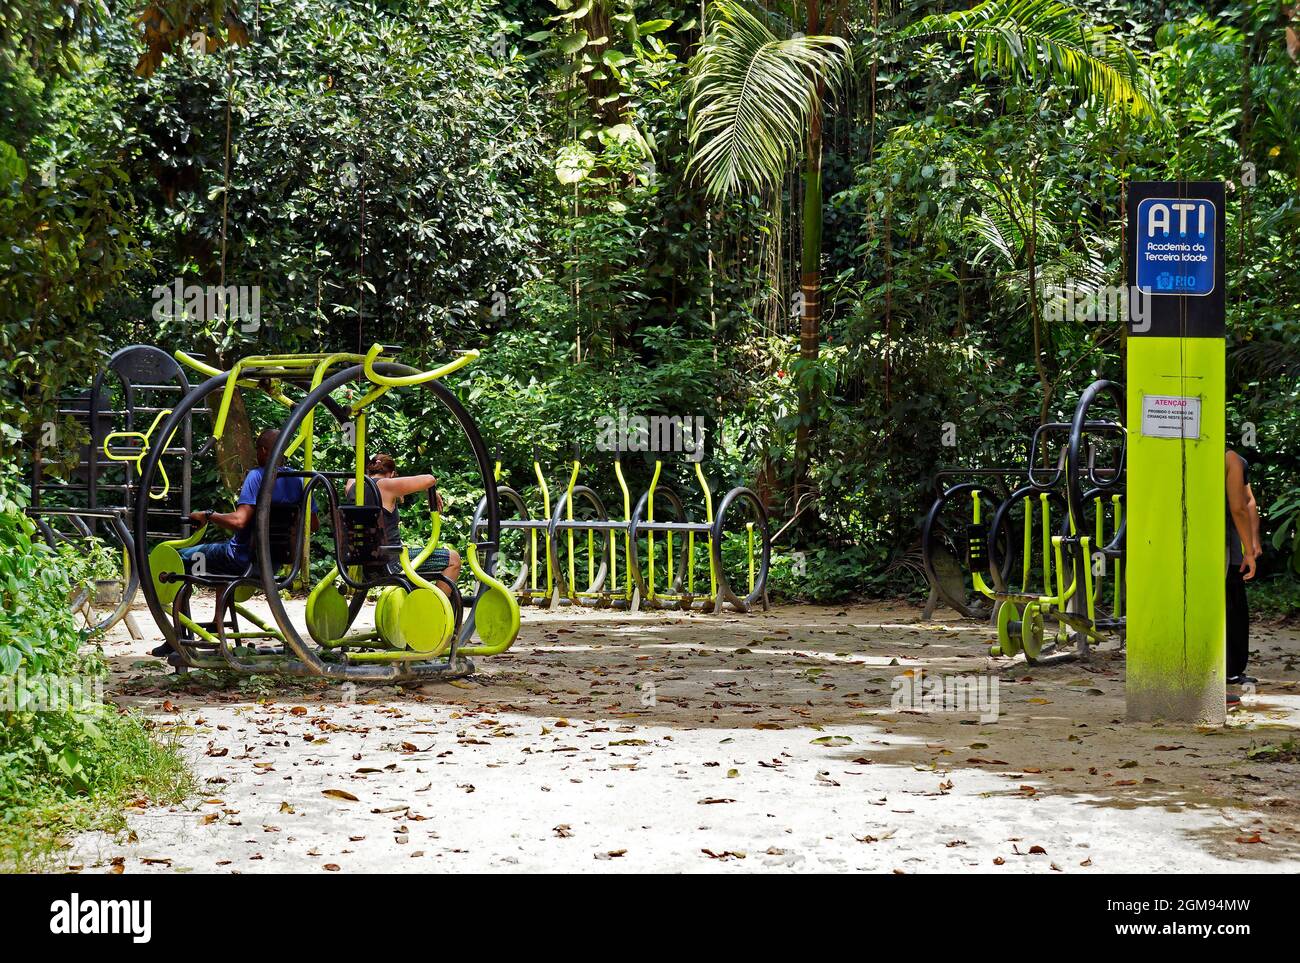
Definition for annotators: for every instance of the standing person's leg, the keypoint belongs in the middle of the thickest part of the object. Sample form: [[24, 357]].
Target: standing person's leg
[[1238, 624]]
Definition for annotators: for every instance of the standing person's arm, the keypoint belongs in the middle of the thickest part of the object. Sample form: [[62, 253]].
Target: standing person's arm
[[1237, 505], [1253, 506]]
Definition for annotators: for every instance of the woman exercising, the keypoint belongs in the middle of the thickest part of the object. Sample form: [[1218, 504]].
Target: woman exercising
[[382, 470]]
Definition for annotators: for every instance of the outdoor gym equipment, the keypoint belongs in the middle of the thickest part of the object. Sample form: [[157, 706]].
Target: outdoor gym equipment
[[625, 557], [421, 632], [118, 415], [1041, 532], [1084, 557]]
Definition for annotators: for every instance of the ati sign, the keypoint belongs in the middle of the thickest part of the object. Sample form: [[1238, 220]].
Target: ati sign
[[1175, 246]]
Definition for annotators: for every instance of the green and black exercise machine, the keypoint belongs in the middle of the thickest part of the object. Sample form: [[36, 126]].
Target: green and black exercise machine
[[551, 560], [974, 554], [420, 632], [1081, 559], [117, 418], [973, 529], [751, 541], [576, 554]]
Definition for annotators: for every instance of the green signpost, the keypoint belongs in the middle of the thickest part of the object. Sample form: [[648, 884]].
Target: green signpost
[[1176, 539]]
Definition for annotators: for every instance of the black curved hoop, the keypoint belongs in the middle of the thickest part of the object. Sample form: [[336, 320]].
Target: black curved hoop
[[634, 533], [725, 591], [505, 494], [1078, 428], [553, 534], [927, 546]]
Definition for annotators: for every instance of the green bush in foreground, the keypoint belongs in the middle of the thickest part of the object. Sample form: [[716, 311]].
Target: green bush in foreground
[[68, 761]]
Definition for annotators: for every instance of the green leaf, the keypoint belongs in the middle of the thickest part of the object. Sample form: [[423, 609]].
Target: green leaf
[[571, 44], [573, 163]]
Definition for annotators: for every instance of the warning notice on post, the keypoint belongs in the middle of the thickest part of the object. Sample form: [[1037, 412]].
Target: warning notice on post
[[1171, 416]]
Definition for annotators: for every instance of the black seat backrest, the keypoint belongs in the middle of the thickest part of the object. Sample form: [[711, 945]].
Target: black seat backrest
[[285, 532], [362, 537]]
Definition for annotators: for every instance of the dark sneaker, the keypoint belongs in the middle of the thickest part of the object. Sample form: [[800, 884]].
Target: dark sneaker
[[161, 651], [1242, 679]]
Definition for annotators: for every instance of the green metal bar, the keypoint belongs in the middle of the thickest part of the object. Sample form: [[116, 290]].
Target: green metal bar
[[1046, 512], [627, 517], [650, 536], [254, 618], [749, 527], [1099, 539], [359, 459], [708, 515], [1119, 561], [1085, 542], [1027, 558], [573, 481], [977, 578], [546, 513]]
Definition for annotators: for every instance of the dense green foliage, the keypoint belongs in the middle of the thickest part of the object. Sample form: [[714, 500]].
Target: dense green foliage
[[515, 176]]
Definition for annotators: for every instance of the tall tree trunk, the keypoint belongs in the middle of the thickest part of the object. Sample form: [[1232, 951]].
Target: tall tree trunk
[[235, 451], [810, 315], [810, 256]]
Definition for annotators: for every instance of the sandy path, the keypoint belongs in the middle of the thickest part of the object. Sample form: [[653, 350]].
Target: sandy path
[[672, 742]]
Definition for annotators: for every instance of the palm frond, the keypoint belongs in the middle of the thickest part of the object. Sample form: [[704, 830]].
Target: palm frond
[[1266, 359], [1045, 38], [752, 95], [998, 234]]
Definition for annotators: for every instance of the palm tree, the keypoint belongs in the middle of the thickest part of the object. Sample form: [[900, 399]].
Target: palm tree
[[757, 101]]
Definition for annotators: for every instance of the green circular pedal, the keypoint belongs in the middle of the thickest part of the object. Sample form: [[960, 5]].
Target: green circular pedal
[[388, 615], [496, 617], [1031, 631], [1008, 642], [327, 612], [165, 559], [427, 620]]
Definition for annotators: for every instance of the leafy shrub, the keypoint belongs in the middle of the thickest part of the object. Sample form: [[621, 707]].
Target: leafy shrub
[[58, 754]]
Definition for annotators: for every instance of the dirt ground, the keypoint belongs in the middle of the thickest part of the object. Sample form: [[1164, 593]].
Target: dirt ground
[[679, 742]]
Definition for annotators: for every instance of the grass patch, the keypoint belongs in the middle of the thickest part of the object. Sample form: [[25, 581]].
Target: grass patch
[[130, 763]]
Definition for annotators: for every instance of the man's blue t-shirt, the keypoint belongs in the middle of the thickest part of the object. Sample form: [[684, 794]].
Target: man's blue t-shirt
[[287, 489]]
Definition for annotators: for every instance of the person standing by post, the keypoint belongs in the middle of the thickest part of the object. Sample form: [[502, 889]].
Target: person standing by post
[[1243, 550]]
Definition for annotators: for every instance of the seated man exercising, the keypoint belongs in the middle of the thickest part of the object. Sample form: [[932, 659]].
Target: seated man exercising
[[232, 557]]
